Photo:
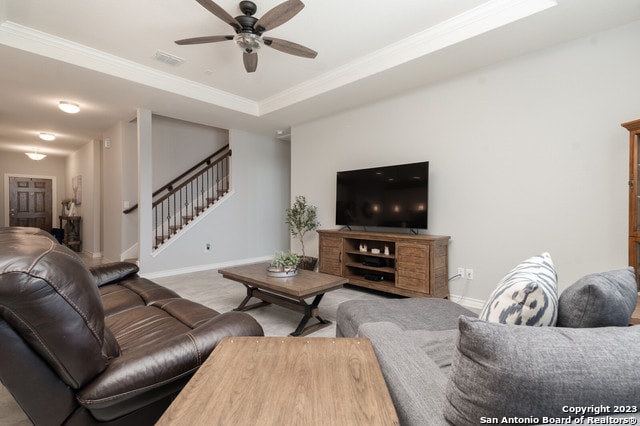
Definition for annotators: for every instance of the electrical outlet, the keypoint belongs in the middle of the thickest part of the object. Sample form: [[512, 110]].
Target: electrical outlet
[[469, 274], [461, 272], [207, 247]]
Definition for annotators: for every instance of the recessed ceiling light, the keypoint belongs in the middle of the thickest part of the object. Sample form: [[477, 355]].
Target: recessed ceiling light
[[47, 136], [69, 107]]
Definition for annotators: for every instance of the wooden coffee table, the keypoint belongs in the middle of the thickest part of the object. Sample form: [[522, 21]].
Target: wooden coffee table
[[286, 381], [289, 292]]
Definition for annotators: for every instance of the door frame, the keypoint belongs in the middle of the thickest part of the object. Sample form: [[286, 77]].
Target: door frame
[[54, 195]]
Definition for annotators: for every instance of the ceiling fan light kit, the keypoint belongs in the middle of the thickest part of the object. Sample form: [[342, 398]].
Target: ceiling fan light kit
[[249, 30], [248, 42]]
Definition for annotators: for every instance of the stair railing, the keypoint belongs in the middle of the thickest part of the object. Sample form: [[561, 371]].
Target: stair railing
[[189, 195]]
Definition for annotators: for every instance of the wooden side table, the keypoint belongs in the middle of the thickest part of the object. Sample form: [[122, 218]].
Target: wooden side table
[[72, 236], [635, 317], [286, 380]]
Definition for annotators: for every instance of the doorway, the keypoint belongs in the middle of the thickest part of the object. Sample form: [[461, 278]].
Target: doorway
[[31, 201]]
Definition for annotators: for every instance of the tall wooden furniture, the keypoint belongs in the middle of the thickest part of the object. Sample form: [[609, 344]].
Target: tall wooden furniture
[[415, 266], [634, 192]]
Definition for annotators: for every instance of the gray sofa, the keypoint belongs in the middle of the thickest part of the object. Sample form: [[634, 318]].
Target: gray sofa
[[444, 365]]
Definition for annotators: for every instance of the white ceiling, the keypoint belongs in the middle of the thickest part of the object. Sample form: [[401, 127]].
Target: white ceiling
[[100, 54]]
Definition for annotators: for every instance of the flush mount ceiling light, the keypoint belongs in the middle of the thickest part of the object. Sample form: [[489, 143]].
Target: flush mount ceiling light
[[69, 107], [47, 136], [35, 155]]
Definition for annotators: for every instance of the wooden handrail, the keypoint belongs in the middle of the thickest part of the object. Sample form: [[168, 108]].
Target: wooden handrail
[[176, 189], [169, 186]]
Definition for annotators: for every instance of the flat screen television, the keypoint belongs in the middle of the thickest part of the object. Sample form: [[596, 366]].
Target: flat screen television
[[391, 196]]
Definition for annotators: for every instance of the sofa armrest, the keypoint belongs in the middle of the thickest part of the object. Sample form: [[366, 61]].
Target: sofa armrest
[[112, 272], [143, 375]]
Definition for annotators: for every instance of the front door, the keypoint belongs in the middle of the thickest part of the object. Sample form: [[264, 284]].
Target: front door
[[30, 202]]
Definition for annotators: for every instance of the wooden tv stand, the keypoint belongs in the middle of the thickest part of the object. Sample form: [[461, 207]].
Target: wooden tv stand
[[416, 265]]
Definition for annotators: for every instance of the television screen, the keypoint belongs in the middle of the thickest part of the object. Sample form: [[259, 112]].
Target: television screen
[[391, 196]]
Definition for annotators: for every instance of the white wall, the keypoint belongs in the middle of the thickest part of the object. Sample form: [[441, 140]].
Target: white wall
[[85, 162], [112, 184], [248, 225], [525, 156], [178, 145]]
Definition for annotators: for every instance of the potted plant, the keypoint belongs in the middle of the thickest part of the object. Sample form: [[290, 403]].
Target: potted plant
[[285, 262], [301, 219]]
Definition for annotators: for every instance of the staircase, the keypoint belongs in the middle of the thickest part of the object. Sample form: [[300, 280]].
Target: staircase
[[179, 202]]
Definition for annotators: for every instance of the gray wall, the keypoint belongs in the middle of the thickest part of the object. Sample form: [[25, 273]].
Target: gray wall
[[525, 156]]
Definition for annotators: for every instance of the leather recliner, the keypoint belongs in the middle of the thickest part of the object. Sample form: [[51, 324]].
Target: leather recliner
[[96, 345]]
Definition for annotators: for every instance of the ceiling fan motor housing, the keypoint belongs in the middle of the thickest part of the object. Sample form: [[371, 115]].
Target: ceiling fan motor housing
[[247, 23], [248, 8]]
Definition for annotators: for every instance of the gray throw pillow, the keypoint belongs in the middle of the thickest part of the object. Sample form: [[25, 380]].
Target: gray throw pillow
[[533, 372], [599, 300], [527, 295]]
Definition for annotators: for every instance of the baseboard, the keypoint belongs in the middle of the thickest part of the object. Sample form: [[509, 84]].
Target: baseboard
[[96, 255], [475, 305], [205, 267], [131, 252]]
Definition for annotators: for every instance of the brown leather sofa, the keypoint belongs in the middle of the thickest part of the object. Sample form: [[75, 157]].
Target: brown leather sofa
[[96, 345]]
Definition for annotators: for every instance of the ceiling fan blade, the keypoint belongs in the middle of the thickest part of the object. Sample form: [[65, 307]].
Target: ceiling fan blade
[[201, 40], [250, 61], [279, 15], [290, 47], [220, 13]]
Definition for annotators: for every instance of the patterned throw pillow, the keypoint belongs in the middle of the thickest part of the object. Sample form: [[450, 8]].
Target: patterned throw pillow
[[527, 295]]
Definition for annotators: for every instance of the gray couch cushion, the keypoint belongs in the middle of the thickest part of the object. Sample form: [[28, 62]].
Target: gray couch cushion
[[527, 295], [408, 314], [500, 370], [415, 365], [599, 300]]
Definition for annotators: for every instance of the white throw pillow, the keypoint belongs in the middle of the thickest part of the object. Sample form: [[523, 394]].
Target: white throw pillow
[[528, 295]]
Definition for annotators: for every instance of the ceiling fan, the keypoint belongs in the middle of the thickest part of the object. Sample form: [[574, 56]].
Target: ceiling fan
[[249, 30]]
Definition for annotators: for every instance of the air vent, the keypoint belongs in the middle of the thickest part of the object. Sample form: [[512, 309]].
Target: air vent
[[168, 58]]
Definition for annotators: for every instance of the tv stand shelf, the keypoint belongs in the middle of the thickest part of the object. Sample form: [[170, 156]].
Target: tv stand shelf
[[416, 265]]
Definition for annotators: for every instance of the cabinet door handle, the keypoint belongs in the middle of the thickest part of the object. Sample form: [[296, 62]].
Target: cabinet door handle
[[340, 257]]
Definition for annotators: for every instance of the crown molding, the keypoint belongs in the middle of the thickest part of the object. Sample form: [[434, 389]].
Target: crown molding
[[43, 44], [474, 22], [486, 17]]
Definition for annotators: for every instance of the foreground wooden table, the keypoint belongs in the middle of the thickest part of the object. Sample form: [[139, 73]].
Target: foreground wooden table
[[286, 381]]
